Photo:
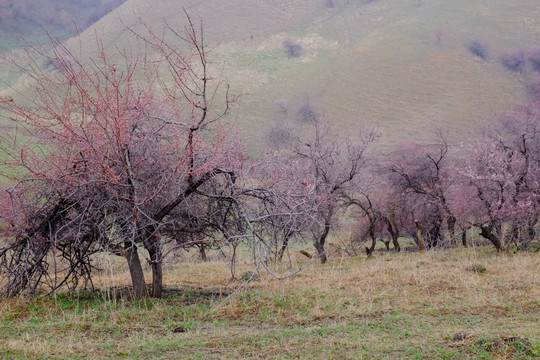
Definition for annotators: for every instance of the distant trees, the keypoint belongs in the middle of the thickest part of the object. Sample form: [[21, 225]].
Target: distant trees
[[439, 33], [292, 49], [502, 174], [307, 114], [514, 60], [334, 165], [478, 48], [534, 89], [520, 59], [422, 174], [533, 56]]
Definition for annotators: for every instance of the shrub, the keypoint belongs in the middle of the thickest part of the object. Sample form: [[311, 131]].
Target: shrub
[[278, 135], [477, 268], [514, 60], [534, 57], [306, 113], [292, 49], [478, 48], [534, 89]]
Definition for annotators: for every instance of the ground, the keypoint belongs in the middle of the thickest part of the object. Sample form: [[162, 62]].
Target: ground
[[433, 305]]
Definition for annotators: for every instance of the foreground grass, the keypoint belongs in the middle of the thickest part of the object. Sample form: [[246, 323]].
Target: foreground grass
[[394, 306]]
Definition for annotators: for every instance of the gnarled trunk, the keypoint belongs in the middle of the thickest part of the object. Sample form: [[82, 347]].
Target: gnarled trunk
[[420, 236], [487, 232], [319, 243], [464, 238], [282, 249], [153, 245], [202, 252], [371, 249], [320, 250], [394, 232], [135, 270]]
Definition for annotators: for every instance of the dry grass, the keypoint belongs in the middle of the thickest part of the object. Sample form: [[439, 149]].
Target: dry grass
[[439, 281], [409, 305]]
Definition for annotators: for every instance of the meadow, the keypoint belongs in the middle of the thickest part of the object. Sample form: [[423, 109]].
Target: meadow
[[454, 304]]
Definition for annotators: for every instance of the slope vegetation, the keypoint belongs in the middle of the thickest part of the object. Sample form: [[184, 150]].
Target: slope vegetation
[[375, 62]]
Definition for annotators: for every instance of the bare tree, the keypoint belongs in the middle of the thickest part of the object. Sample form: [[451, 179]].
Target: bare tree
[[423, 174], [121, 146], [439, 33], [334, 165]]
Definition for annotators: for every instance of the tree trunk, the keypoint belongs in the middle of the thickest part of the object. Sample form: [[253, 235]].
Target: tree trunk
[[283, 248], [371, 249], [486, 232], [394, 232], [464, 238], [420, 236], [202, 252], [135, 270], [451, 222], [531, 233], [157, 278], [320, 250], [435, 235], [319, 243], [152, 244]]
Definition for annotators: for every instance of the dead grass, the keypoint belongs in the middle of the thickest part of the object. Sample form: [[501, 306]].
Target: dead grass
[[407, 305]]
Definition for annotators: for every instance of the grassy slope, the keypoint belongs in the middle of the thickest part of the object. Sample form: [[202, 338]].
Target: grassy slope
[[393, 306], [363, 62]]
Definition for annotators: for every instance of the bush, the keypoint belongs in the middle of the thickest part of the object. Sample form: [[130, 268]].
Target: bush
[[479, 49], [514, 60], [534, 58], [477, 268], [307, 114], [292, 49], [534, 89], [278, 135]]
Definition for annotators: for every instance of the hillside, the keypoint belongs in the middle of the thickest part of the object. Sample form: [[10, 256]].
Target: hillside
[[375, 62], [27, 18]]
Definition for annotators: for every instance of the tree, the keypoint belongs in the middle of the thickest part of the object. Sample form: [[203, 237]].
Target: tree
[[501, 176], [292, 49], [439, 33], [367, 197], [334, 165], [422, 173], [514, 60], [533, 56], [123, 150], [276, 192]]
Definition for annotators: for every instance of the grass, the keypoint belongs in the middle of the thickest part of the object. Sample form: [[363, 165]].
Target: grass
[[407, 306]]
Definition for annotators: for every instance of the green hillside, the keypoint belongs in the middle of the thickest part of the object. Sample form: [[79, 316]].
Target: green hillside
[[375, 62]]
